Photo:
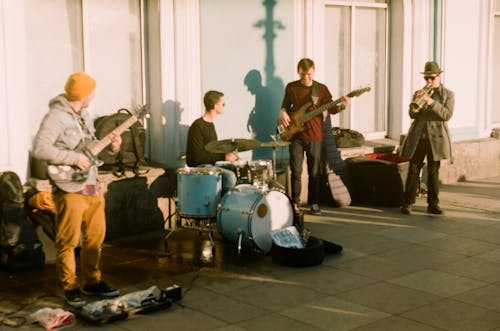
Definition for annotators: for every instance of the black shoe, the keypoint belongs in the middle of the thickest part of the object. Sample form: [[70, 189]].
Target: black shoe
[[315, 209], [100, 289], [406, 209], [434, 209], [74, 298]]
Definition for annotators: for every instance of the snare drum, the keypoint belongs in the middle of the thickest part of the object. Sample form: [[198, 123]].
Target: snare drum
[[198, 191], [262, 172], [242, 172], [240, 169], [252, 213]]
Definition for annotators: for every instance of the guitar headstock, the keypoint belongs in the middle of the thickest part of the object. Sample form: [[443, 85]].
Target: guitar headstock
[[358, 92], [141, 111]]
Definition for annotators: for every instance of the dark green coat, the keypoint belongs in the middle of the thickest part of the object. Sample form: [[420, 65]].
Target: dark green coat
[[433, 118]]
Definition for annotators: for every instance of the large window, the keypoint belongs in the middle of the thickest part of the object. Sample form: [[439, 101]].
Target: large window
[[356, 56], [103, 38]]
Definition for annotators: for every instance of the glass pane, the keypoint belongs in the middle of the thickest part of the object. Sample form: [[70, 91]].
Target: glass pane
[[496, 73], [114, 53], [337, 55], [54, 42], [369, 68]]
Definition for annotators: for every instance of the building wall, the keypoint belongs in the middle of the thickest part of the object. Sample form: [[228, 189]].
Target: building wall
[[254, 39], [169, 52]]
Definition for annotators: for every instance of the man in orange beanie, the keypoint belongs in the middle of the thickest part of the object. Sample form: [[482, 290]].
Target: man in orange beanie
[[64, 132]]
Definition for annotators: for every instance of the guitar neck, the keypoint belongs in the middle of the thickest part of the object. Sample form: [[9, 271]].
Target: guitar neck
[[317, 111], [99, 145]]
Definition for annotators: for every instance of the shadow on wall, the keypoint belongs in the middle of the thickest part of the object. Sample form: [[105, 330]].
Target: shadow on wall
[[174, 133], [263, 117]]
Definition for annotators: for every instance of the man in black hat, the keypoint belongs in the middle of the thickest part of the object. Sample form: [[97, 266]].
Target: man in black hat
[[428, 136]]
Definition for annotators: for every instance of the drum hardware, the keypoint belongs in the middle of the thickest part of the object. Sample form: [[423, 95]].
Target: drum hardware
[[203, 225], [274, 144], [239, 242], [239, 167], [261, 171], [232, 145]]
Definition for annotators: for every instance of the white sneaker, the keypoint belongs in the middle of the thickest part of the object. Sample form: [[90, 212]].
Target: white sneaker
[[315, 209]]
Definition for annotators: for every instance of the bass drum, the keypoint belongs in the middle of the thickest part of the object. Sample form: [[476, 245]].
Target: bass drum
[[252, 214], [198, 191]]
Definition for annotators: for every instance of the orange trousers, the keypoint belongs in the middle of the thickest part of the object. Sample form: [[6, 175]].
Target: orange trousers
[[79, 215]]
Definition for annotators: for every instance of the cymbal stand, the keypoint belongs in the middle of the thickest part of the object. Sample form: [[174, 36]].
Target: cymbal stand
[[273, 177]]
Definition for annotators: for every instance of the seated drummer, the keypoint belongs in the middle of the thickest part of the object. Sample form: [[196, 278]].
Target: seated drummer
[[202, 132]]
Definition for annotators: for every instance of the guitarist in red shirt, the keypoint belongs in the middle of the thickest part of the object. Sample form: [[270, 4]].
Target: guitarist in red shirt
[[308, 139]]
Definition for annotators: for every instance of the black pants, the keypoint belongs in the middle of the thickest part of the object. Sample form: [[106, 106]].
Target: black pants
[[416, 162], [312, 151]]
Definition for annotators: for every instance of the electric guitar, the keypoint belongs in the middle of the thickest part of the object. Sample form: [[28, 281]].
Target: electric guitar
[[73, 179], [299, 118]]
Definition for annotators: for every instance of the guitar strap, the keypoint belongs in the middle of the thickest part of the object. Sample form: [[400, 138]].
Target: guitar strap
[[315, 97], [314, 93]]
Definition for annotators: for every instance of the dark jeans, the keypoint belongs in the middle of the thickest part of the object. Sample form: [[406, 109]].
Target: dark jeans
[[312, 151], [416, 162]]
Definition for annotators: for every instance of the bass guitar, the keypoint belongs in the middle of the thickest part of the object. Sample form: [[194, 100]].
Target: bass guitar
[[73, 179], [299, 118]]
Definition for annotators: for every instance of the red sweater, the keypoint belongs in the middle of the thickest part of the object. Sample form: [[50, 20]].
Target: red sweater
[[297, 95]]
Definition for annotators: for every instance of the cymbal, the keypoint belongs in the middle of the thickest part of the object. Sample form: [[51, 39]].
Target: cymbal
[[275, 143], [232, 145]]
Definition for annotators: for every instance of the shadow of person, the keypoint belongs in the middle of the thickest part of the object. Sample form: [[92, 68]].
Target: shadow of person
[[175, 133], [263, 117]]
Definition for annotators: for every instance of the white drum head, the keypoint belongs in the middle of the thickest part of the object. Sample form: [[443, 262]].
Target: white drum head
[[273, 211]]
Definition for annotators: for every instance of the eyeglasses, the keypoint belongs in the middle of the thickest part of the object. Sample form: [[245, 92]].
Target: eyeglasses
[[430, 77]]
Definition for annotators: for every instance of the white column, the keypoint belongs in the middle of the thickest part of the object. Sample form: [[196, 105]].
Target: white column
[[15, 143], [174, 76], [400, 67]]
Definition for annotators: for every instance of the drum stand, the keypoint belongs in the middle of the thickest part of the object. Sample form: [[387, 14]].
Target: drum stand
[[202, 224], [274, 180]]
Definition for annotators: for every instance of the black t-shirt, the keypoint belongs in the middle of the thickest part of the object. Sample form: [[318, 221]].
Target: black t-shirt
[[201, 133]]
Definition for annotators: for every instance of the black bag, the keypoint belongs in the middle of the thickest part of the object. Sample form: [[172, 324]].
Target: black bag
[[132, 150], [378, 179], [20, 248], [11, 189], [345, 138]]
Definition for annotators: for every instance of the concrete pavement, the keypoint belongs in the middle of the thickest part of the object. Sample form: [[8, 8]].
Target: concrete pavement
[[396, 272]]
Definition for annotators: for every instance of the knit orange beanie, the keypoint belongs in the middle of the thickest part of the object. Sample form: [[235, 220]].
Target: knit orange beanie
[[78, 86]]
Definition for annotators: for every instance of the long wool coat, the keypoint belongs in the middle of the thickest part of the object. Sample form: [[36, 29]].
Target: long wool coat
[[433, 118]]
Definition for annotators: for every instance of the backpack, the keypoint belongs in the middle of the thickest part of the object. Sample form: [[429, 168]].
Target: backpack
[[345, 138], [132, 150], [20, 248]]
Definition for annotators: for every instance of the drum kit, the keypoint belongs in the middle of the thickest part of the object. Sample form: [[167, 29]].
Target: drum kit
[[249, 211]]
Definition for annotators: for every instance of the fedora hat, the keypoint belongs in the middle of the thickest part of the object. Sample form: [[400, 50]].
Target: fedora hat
[[431, 67]]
